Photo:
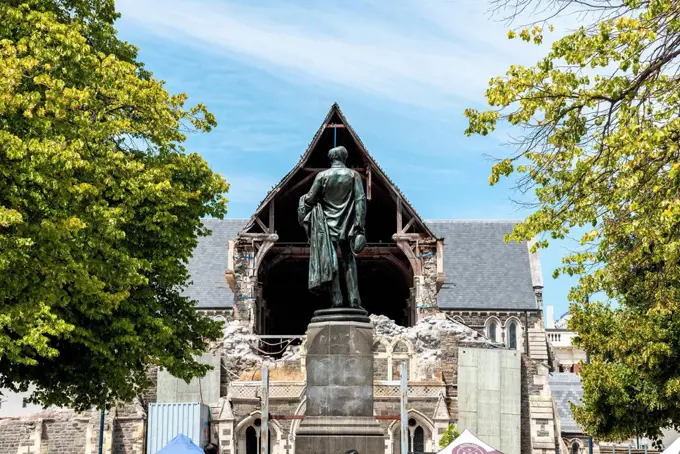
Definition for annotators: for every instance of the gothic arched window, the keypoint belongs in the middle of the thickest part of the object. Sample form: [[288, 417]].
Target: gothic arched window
[[253, 438], [574, 448], [512, 335], [418, 440], [491, 331], [251, 441]]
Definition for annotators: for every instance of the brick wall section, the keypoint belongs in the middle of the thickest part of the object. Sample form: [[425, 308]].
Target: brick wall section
[[67, 432], [63, 436], [380, 369], [128, 436], [12, 433], [149, 395]]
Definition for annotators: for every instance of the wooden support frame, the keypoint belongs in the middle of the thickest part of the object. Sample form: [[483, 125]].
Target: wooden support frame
[[302, 182], [319, 169], [262, 251], [282, 253], [229, 274], [271, 216], [369, 181], [259, 236], [399, 215], [261, 224], [408, 225], [416, 266]]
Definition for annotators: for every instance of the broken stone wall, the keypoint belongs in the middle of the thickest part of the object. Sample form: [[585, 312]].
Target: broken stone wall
[[427, 301], [425, 342], [245, 284]]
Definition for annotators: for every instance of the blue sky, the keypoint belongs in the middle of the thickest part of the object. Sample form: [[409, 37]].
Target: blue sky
[[403, 72]]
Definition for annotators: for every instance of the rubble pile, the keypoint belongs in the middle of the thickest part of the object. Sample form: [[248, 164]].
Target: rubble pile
[[427, 334], [426, 337], [240, 353], [240, 349]]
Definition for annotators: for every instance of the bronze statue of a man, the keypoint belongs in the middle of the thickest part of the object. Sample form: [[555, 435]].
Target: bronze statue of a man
[[333, 214]]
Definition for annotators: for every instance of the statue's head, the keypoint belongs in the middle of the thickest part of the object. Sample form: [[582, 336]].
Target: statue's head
[[338, 154]]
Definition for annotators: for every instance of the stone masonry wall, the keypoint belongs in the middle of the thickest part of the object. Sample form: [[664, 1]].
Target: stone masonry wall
[[60, 436], [68, 432], [477, 320], [12, 435], [244, 294]]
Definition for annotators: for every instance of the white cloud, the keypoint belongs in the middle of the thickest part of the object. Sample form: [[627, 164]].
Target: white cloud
[[422, 52]]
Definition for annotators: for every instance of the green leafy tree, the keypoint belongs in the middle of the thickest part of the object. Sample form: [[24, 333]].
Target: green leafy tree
[[100, 208], [449, 435], [599, 151]]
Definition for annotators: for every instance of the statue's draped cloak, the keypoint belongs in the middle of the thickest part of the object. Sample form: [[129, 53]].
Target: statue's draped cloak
[[323, 262], [329, 212]]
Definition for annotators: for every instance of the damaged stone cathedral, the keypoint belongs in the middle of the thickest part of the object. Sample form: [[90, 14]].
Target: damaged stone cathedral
[[448, 298]]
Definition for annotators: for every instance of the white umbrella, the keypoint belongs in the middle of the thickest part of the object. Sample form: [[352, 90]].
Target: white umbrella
[[467, 443]]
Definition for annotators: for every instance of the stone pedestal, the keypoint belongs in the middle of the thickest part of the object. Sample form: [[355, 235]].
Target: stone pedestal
[[339, 414]]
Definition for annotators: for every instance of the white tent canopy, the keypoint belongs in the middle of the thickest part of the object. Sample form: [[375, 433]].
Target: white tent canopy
[[674, 448], [468, 443]]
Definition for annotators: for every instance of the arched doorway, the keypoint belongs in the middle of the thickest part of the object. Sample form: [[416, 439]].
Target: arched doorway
[[420, 434], [249, 436], [383, 286]]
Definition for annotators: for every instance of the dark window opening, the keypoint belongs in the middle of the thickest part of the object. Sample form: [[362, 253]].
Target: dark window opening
[[290, 305], [491, 331], [251, 441], [512, 336], [418, 440]]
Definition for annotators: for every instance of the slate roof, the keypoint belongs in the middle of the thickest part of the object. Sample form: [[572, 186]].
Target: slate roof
[[481, 270], [566, 387], [209, 263]]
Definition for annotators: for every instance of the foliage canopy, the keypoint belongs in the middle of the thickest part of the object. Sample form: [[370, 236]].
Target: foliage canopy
[[600, 151], [100, 208]]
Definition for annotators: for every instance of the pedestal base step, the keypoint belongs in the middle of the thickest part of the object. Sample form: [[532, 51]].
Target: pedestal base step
[[334, 435], [341, 314]]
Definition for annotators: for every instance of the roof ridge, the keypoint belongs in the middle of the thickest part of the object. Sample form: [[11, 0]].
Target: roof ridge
[[225, 219], [486, 221]]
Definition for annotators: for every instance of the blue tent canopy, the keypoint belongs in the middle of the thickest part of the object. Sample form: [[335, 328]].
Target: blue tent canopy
[[181, 444]]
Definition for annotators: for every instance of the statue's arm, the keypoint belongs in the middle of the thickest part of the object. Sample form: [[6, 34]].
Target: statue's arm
[[310, 199], [359, 203]]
